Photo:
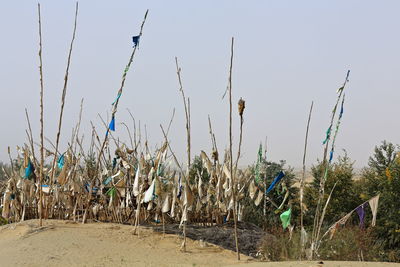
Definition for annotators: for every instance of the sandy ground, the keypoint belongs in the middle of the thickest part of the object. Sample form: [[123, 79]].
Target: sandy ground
[[64, 243]]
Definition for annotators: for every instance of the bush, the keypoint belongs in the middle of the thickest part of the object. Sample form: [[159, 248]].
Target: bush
[[3, 221], [278, 247], [351, 244], [383, 176]]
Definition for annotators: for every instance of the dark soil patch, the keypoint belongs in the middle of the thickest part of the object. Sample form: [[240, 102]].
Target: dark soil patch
[[221, 235]]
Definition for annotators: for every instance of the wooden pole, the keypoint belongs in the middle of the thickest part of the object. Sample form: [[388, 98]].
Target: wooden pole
[[134, 130], [11, 161], [317, 219], [30, 137], [302, 181], [108, 128], [231, 154], [64, 92], [186, 105], [265, 181]]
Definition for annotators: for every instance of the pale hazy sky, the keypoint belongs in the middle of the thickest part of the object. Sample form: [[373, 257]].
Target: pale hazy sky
[[287, 53]]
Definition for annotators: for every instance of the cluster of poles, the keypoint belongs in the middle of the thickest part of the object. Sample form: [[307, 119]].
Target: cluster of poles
[[133, 184]]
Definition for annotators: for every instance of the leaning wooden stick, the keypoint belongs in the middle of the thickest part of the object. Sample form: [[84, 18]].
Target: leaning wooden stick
[[241, 107], [231, 154], [317, 220], [115, 104], [76, 133], [302, 182], [186, 105], [134, 131], [30, 137], [11, 161], [64, 93]]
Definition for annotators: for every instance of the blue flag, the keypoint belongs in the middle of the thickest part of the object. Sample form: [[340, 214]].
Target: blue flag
[[29, 170], [135, 40], [341, 111], [331, 156], [112, 124], [281, 174], [61, 161]]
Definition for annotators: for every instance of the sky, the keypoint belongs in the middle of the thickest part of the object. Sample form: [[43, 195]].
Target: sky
[[286, 54]]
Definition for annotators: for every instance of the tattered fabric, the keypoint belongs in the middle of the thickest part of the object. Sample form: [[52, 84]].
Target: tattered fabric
[[285, 218], [61, 161], [135, 40], [112, 124], [29, 170], [276, 180], [361, 214], [373, 203]]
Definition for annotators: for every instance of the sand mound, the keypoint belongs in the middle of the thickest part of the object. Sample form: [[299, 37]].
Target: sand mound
[[64, 243]]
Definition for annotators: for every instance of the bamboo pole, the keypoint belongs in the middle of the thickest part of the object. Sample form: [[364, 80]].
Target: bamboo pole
[[302, 181], [231, 154]]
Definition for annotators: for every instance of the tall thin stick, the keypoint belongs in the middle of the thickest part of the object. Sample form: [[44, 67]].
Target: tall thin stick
[[114, 111], [11, 161], [241, 109], [187, 117], [317, 219], [302, 181], [40, 207], [76, 133], [231, 154], [134, 130], [122, 86], [30, 137], [64, 93]]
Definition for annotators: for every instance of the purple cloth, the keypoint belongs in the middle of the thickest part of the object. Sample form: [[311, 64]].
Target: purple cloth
[[361, 214]]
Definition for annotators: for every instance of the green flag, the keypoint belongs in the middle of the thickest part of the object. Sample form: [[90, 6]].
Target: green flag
[[258, 165], [285, 218], [111, 192]]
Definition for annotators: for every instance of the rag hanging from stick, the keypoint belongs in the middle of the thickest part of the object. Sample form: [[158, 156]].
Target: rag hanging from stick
[[111, 126], [337, 130]]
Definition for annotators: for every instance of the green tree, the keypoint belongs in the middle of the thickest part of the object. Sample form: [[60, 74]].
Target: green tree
[[344, 196], [255, 214], [382, 176], [196, 169]]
